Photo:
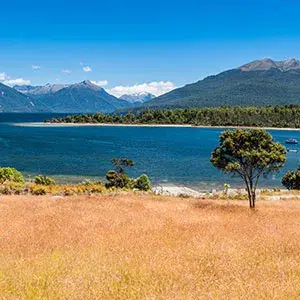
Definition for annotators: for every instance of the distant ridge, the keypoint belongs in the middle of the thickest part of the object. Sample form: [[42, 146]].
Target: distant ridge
[[39, 90], [268, 64]]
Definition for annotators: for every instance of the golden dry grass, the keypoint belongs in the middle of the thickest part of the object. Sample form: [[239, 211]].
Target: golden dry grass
[[138, 246]]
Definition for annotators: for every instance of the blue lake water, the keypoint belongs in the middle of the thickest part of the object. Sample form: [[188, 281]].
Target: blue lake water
[[174, 155]]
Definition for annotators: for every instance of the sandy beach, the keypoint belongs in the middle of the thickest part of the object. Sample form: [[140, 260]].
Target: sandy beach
[[151, 125]]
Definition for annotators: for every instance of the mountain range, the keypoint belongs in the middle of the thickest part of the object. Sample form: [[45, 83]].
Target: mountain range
[[74, 98], [258, 83], [40, 89]]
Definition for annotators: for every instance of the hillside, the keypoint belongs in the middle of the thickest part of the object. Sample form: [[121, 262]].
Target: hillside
[[13, 101], [259, 83]]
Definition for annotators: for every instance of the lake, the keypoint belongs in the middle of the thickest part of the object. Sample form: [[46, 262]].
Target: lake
[[176, 155]]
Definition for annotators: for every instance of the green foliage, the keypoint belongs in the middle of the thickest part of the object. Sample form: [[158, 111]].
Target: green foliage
[[143, 183], [38, 190], [10, 174], [269, 116], [44, 180], [121, 164], [118, 180], [248, 154], [226, 188], [291, 180]]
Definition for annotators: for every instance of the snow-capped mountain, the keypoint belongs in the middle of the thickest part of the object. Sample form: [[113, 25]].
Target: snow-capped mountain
[[40, 89], [140, 97]]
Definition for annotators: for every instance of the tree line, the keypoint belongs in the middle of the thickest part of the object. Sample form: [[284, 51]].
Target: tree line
[[268, 116]]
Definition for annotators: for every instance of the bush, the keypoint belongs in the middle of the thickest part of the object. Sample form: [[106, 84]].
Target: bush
[[44, 180], [38, 190], [12, 188], [10, 174], [143, 183], [291, 180], [115, 179]]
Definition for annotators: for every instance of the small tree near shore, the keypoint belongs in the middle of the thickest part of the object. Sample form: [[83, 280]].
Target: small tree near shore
[[248, 154], [121, 164], [118, 178], [291, 180]]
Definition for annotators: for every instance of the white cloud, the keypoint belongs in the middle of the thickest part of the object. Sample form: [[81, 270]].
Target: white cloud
[[100, 82], [87, 69], [3, 76], [156, 88], [17, 81], [66, 71], [5, 79], [35, 67]]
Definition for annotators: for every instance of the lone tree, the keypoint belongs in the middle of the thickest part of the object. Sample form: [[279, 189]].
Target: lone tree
[[248, 154], [118, 178], [121, 164]]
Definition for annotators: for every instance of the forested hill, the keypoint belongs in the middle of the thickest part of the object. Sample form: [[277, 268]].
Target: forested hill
[[278, 116], [259, 83]]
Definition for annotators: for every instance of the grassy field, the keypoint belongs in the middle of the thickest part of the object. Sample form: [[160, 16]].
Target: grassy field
[[148, 247]]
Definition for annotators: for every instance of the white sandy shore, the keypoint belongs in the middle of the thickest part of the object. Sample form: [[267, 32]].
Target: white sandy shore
[[149, 125], [173, 190]]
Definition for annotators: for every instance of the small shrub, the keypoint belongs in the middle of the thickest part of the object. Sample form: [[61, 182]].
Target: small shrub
[[291, 180], [38, 190], [68, 191], [143, 183], [44, 180], [12, 188], [96, 188], [10, 174]]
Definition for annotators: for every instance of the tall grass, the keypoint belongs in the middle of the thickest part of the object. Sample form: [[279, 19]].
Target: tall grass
[[147, 247]]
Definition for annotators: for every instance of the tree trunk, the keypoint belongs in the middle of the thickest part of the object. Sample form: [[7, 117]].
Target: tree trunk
[[251, 197]]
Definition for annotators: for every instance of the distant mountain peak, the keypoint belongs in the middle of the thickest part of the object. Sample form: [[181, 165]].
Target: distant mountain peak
[[87, 84], [268, 64], [139, 97]]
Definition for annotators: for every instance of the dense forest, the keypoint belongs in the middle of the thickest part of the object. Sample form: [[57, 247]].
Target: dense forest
[[269, 116]]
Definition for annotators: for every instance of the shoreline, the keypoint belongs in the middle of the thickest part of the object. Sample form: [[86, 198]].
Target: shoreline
[[153, 125]]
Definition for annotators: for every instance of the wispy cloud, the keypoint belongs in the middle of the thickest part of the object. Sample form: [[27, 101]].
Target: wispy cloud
[[100, 82], [87, 69], [66, 71], [35, 67], [156, 88]]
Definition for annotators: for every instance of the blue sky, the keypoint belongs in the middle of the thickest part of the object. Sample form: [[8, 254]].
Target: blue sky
[[125, 43]]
